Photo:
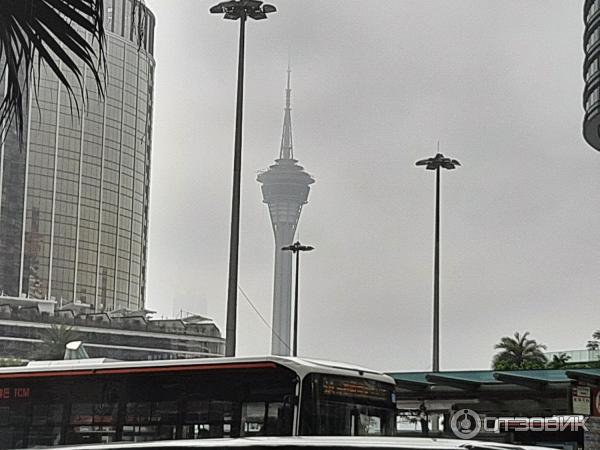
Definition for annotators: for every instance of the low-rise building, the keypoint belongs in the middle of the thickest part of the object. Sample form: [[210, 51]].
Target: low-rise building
[[120, 334]]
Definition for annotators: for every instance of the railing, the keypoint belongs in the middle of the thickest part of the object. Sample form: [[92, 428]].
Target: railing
[[576, 356]]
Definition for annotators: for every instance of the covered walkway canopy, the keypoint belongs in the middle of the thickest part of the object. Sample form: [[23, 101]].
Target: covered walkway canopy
[[435, 397], [477, 379], [527, 392]]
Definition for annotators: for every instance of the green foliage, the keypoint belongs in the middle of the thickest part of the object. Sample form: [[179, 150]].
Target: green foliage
[[53, 31], [55, 339], [519, 353], [584, 365], [525, 365], [594, 343], [559, 361], [9, 362]]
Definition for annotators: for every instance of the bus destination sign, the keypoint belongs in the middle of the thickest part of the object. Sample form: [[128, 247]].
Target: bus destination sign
[[7, 393], [360, 389]]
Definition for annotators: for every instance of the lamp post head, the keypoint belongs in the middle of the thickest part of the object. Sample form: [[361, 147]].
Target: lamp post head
[[297, 247], [234, 10], [438, 161]]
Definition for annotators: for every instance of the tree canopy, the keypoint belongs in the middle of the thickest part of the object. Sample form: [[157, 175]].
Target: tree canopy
[[52, 32], [519, 352], [594, 343], [55, 340]]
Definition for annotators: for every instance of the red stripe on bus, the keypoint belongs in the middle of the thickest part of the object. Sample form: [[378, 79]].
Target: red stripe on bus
[[46, 374], [188, 368], [266, 365]]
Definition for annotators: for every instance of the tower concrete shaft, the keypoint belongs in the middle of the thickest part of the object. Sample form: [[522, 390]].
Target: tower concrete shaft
[[285, 188]]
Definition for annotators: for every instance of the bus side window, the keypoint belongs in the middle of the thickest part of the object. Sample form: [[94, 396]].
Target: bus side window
[[196, 422], [12, 426], [279, 420], [266, 419], [210, 419], [253, 419], [92, 423], [150, 421], [46, 424]]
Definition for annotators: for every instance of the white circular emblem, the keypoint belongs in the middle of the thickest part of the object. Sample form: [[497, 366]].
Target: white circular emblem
[[465, 424]]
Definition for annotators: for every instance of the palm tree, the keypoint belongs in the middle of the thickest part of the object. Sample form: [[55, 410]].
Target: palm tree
[[51, 32], [559, 361], [55, 340], [594, 344], [519, 352]]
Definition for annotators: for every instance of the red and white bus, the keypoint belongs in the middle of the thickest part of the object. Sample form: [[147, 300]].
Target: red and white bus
[[86, 401]]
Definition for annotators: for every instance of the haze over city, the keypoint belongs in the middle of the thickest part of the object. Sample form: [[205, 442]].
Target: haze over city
[[374, 88]]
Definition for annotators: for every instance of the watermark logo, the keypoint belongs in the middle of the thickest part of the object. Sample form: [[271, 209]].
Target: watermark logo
[[466, 424]]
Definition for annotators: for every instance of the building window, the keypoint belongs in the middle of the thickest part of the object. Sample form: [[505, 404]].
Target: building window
[[592, 10], [592, 99], [592, 69], [128, 20], [118, 17], [109, 18], [593, 39], [150, 34], [590, 41]]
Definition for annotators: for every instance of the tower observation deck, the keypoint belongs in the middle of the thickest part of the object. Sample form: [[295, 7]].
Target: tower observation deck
[[285, 188]]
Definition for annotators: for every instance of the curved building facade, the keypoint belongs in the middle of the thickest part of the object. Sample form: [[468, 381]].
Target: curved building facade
[[74, 204], [591, 73]]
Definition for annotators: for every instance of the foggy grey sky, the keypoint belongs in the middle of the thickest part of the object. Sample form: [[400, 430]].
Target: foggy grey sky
[[375, 85]]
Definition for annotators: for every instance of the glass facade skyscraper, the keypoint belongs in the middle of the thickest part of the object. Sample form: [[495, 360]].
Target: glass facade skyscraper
[[74, 203], [591, 73]]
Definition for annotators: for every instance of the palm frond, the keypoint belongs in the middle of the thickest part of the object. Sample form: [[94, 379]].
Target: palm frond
[[518, 352], [55, 340], [52, 32]]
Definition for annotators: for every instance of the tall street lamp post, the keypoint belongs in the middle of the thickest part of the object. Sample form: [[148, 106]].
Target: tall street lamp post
[[234, 10], [436, 163], [297, 248]]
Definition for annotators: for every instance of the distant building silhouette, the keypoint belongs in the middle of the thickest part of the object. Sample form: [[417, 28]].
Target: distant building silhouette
[[591, 71], [285, 187]]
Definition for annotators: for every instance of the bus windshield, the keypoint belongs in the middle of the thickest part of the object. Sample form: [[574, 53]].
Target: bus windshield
[[345, 406]]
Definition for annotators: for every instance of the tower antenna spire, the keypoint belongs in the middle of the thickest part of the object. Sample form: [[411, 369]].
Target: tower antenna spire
[[285, 189], [287, 150]]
